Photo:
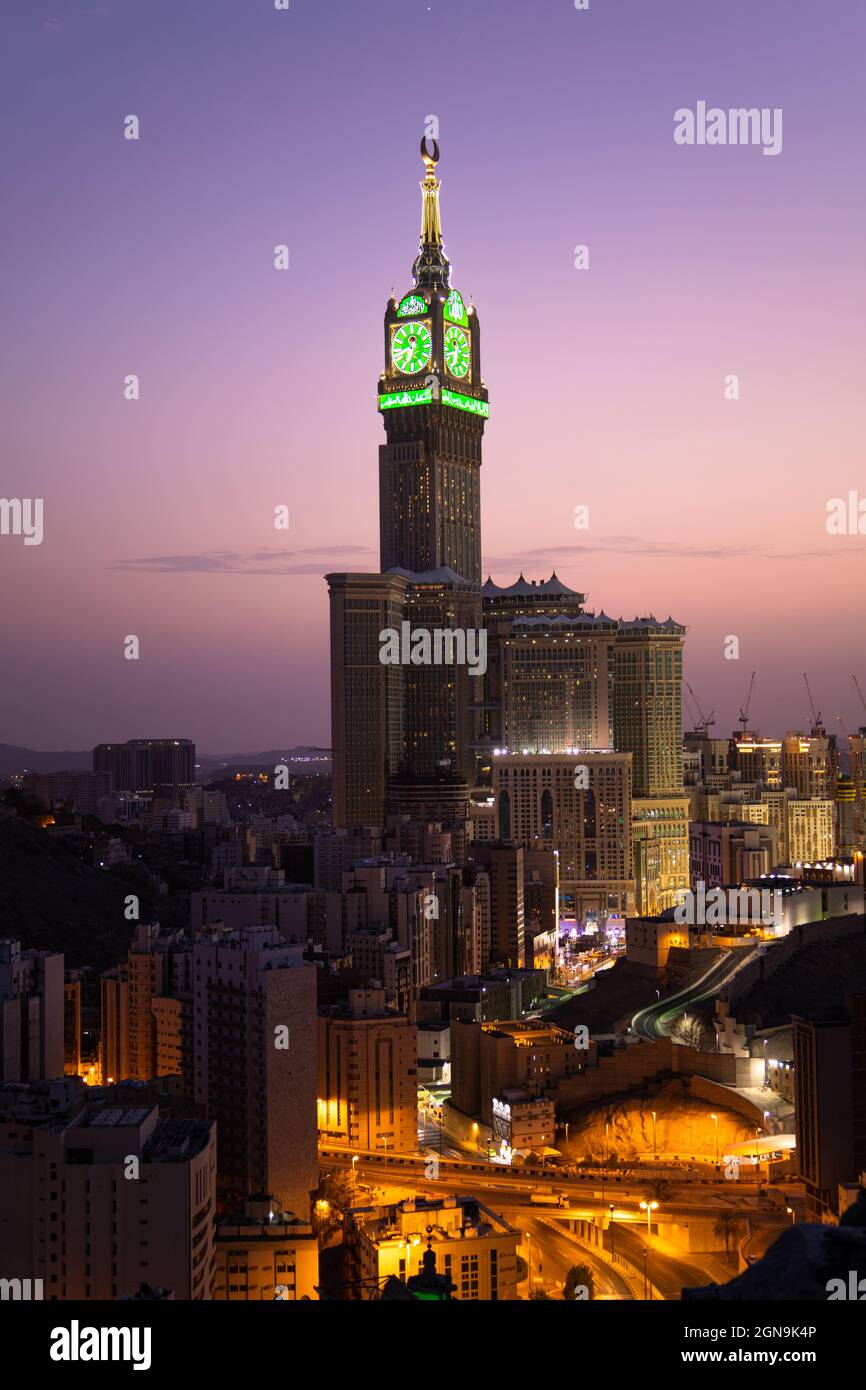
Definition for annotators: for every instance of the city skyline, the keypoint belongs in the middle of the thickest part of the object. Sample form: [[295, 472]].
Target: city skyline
[[463, 892], [257, 388]]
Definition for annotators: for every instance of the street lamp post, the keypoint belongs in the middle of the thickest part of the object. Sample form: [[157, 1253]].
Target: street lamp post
[[793, 1215], [354, 1175], [610, 1227], [649, 1208], [715, 1120], [655, 1150]]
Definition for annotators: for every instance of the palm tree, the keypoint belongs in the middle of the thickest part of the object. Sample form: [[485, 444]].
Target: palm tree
[[659, 1189], [726, 1228], [579, 1277]]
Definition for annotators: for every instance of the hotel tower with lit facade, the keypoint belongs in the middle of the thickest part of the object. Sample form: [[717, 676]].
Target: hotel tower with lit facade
[[557, 680], [395, 727]]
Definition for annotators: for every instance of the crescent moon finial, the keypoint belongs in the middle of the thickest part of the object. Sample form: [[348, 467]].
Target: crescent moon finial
[[429, 159]]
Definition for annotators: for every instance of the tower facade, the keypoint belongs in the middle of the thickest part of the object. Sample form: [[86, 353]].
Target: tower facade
[[647, 703], [409, 721], [434, 404]]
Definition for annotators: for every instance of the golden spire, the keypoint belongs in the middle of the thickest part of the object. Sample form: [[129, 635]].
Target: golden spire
[[431, 222], [431, 268]]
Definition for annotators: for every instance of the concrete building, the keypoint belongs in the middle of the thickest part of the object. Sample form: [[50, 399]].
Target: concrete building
[[578, 804], [490, 1059], [710, 755], [254, 1009], [810, 831], [80, 790], [366, 696], [730, 851], [263, 1254], [857, 750], [434, 1053], [660, 847], [503, 863], [550, 667], [507, 993], [650, 940], [523, 1124], [810, 764], [32, 1013], [160, 1015], [147, 764], [757, 759], [114, 1025], [474, 1248], [647, 703], [830, 1091], [368, 1075], [96, 1199]]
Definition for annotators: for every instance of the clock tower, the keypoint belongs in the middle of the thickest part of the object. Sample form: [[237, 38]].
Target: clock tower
[[434, 404]]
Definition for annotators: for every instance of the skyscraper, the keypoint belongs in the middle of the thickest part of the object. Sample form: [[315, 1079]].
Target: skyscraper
[[255, 1064], [554, 678], [648, 723], [434, 403], [647, 703], [416, 717]]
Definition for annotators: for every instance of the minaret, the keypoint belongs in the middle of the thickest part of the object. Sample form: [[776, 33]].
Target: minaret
[[434, 404]]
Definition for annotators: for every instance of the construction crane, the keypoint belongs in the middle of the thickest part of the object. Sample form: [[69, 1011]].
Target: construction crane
[[744, 713], [693, 714], [705, 720], [816, 713], [859, 691]]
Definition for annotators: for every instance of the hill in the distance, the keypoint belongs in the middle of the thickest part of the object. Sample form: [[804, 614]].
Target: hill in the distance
[[301, 757], [15, 759], [50, 900]]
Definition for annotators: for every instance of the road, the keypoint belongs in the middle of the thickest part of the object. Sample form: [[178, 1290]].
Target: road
[[656, 1019], [670, 1274], [552, 1255], [509, 1195]]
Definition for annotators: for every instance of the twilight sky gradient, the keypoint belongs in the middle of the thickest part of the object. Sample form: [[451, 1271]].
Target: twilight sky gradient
[[258, 387]]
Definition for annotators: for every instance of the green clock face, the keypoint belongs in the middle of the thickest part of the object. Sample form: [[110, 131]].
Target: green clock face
[[411, 346], [457, 351]]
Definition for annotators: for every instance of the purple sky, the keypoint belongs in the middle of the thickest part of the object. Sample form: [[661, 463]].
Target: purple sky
[[258, 387]]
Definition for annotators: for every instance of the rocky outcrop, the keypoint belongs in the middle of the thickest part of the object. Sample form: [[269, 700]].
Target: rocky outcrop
[[683, 1126]]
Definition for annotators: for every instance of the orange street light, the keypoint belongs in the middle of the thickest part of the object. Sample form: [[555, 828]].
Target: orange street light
[[649, 1208]]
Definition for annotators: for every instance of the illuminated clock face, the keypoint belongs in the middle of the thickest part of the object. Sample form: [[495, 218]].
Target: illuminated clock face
[[457, 351], [411, 346]]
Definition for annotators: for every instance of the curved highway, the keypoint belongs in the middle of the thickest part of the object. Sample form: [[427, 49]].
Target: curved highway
[[656, 1020]]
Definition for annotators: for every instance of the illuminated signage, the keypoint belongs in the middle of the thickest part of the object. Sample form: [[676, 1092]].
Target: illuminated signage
[[470, 403], [412, 304], [395, 400]]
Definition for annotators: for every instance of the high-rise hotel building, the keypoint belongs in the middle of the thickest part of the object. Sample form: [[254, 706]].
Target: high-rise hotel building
[[415, 719], [648, 722], [557, 678], [580, 805], [550, 668]]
